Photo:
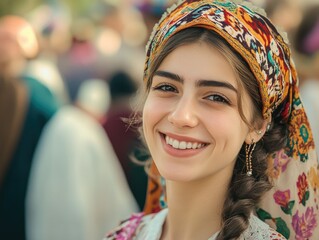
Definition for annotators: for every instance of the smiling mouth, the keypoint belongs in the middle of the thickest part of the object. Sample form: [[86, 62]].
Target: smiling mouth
[[183, 145]]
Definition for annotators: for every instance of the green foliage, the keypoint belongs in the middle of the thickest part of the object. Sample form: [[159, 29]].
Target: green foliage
[[22, 7], [288, 209], [263, 215], [17, 7], [282, 227]]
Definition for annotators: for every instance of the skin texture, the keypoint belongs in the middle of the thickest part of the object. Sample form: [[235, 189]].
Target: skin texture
[[186, 112], [193, 99]]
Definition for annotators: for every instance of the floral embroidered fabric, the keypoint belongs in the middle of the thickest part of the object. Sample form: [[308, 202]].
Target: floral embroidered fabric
[[150, 227]]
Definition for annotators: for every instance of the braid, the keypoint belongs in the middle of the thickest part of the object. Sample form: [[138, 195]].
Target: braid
[[245, 193]]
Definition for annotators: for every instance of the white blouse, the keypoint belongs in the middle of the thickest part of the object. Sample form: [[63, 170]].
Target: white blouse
[[149, 227]]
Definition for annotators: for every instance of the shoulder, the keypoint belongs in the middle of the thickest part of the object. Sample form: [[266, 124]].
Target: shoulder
[[41, 98], [71, 119], [258, 230]]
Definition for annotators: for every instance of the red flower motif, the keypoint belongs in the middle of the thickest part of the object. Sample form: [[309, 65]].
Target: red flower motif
[[302, 185], [282, 198]]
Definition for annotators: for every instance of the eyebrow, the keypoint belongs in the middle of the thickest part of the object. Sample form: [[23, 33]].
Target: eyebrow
[[214, 83], [169, 75], [199, 83]]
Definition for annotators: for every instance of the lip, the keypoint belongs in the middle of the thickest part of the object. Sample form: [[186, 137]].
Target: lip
[[181, 153], [182, 138]]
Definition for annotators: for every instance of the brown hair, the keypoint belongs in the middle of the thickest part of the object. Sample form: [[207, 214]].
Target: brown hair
[[244, 192]]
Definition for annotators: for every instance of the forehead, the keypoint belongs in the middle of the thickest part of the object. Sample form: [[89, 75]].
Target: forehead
[[197, 61]]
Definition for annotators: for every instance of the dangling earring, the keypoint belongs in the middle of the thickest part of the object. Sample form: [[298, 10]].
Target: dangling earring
[[249, 152], [268, 127]]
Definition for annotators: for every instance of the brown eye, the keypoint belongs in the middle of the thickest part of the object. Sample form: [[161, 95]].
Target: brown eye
[[165, 88], [218, 98]]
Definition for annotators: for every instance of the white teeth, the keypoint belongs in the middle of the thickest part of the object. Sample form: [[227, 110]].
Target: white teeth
[[183, 145], [175, 144]]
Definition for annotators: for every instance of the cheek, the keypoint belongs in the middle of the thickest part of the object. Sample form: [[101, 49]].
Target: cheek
[[226, 127], [155, 107], [152, 113]]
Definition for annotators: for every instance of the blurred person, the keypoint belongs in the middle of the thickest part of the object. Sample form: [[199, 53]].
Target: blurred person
[[79, 62], [46, 71], [25, 107], [306, 45], [51, 22], [120, 38], [77, 186], [124, 139]]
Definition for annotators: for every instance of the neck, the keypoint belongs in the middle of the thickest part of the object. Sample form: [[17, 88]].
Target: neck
[[195, 208], [12, 69]]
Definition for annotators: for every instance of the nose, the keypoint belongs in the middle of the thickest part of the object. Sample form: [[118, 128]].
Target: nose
[[183, 113]]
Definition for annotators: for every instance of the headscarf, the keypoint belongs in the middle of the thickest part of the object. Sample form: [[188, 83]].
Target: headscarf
[[291, 206]]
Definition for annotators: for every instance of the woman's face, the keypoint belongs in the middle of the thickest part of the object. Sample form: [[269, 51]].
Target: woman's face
[[191, 121]]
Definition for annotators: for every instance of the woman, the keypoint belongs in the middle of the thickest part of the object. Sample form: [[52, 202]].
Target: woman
[[224, 123]]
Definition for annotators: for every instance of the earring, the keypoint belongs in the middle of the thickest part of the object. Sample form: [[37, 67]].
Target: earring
[[259, 132], [268, 127], [249, 152]]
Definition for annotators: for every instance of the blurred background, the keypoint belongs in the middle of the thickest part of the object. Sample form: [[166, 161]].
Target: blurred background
[[70, 165]]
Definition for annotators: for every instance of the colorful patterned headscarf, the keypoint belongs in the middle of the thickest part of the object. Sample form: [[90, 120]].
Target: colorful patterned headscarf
[[291, 206]]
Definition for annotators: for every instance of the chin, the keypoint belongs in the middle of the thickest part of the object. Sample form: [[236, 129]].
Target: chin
[[176, 175]]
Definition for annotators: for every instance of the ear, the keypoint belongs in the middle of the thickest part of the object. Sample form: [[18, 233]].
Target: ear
[[256, 133]]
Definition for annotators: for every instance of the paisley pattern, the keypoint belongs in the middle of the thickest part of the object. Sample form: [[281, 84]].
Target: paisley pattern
[[291, 206]]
